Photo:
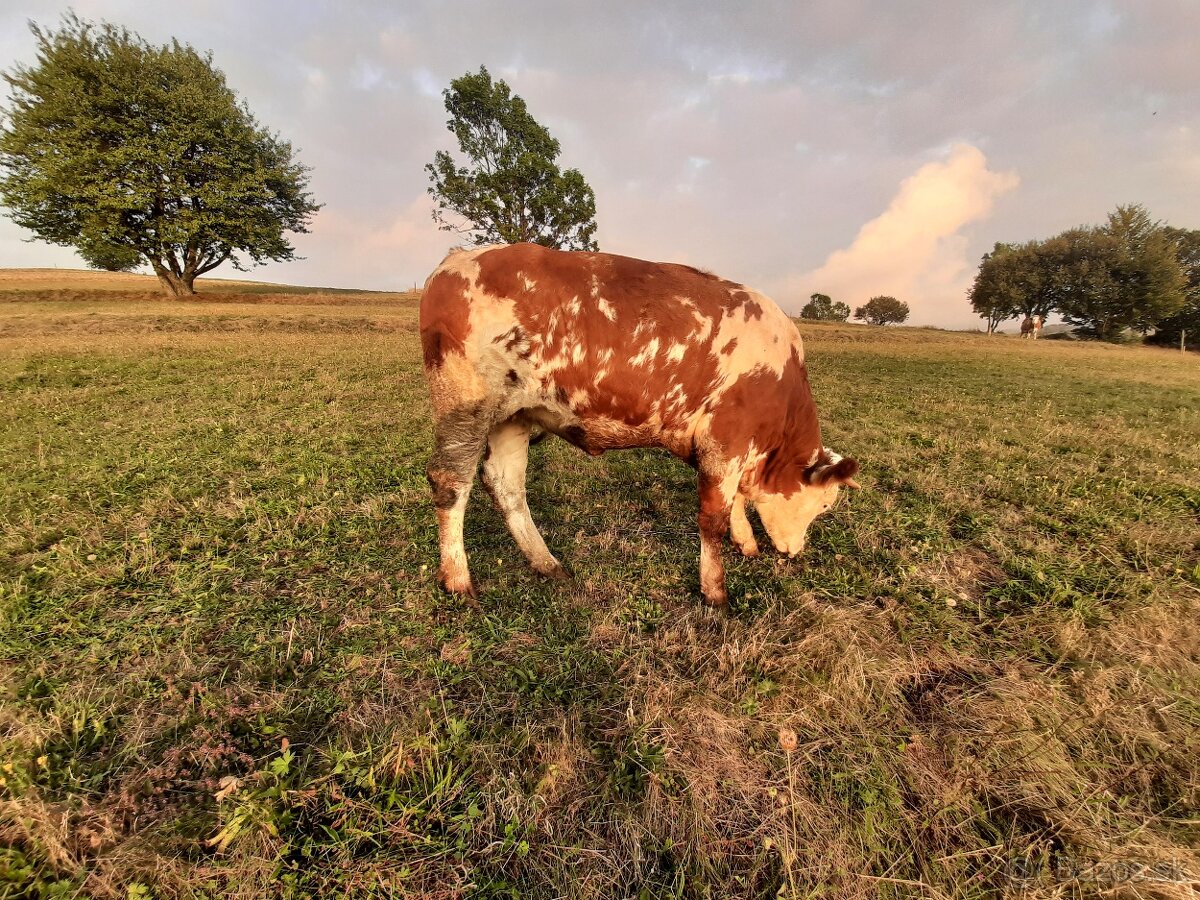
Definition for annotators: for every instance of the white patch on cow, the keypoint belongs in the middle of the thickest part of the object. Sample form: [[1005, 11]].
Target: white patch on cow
[[595, 285], [606, 355], [577, 353], [733, 476], [677, 352], [764, 343], [463, 262], [675, 397], [578, 398], [647, 353], [528, 283], [574, 306], [606, 308]]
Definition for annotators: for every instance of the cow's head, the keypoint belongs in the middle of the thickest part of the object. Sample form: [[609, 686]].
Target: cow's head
[[786, 517]]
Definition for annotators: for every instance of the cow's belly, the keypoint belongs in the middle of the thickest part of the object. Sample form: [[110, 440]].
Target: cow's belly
[[595, 434]]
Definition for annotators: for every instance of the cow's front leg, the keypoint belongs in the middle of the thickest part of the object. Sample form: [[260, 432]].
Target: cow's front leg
[[716, 502], [739, 526]]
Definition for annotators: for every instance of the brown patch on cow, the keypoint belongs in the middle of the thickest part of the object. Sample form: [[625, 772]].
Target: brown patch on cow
[[779, 416], [445, 317], [741, 299], [515, 341], [444, 486], [714, 509], [512, 376], [730, 347]]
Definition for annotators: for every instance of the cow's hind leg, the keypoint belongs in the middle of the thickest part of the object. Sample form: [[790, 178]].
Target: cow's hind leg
[[504, 474], [459, 439]]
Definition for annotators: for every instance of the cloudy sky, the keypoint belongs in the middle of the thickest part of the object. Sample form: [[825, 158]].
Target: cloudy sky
[[853, 147]]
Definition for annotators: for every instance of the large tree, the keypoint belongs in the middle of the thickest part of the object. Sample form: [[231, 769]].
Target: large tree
[[1123, 275], [822, 307], [1012, 281], [1186, 318], [511, 188], [1149, 273], [139, 154], [881, 310], [994, 295]]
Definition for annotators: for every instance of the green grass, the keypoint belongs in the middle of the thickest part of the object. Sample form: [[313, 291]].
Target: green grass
[[227, 671]]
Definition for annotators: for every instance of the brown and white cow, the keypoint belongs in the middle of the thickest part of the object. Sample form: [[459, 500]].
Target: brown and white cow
[[611, 352]]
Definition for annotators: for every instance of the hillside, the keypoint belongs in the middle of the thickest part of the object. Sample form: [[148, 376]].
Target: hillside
[[227, 670]]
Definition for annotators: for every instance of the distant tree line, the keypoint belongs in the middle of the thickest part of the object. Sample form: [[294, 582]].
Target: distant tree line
[[876, 311], [824, 308], [1131, 273]]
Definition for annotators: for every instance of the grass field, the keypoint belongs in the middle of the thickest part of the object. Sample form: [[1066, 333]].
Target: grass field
[[228, 672]]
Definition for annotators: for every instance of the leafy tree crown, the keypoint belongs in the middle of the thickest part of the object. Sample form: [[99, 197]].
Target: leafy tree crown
[[823, 308], [133, 153], [511, 189], [882, 310]]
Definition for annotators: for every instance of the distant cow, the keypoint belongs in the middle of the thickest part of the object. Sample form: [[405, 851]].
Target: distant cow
[[610, 352], [1031, 326]]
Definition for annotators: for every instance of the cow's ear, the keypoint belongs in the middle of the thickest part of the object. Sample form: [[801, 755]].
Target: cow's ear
[[839, 470]]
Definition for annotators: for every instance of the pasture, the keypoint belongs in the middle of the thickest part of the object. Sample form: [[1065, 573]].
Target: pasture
[[227, 670]]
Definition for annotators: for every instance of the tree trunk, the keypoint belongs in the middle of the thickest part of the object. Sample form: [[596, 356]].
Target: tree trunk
[[175, 285]]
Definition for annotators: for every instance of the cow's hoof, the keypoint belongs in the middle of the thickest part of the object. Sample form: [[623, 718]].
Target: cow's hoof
[[555, 571], [458, 584], [749, 549]]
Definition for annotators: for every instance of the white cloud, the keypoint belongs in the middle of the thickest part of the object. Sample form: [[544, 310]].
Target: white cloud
[[916, 249]]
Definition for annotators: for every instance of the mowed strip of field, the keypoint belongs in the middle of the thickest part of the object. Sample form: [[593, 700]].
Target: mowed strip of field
[[228, 672], [62, 283]]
